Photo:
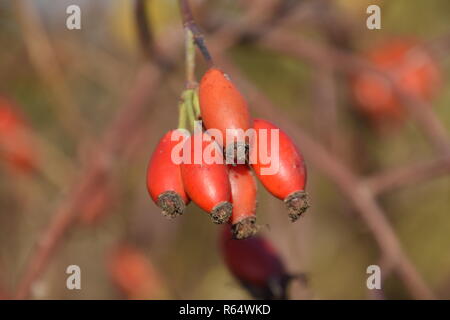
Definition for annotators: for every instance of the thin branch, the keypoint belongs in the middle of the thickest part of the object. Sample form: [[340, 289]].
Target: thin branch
[[4, 294], [145, 36], [190, 59], [325, 107], [386, 268], [189, 23], [439, 47], [408, 174], [143, 28]]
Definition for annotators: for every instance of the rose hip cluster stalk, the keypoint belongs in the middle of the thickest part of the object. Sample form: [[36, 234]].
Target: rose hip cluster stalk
[[226, 191]]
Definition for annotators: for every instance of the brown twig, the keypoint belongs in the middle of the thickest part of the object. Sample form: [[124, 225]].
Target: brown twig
[[409, 174], [325, 107], [143, 29], [146, 38], [189, 23]]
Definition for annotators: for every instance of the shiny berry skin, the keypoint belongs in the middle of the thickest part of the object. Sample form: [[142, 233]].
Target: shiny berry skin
[[289, 181], [207, 184], [164, 182], [412, 69], [243, 191], [224, 108]]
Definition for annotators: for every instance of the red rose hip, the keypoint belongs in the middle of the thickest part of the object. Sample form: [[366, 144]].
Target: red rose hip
[[224, 108], [288, 179], [243, 194], [206, 182], [164, 182]]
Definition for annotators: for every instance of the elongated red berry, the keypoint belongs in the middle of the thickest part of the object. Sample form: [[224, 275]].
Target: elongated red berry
[[243, 191], [284, 175], [164, 181], [16, 145], [224, 108], [205, 179], [411, 67], [256, 264]]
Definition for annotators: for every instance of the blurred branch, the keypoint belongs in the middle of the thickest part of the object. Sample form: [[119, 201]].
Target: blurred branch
[[408, 174], [325, 107], [143, 28], [386, 267], [190, 59], [439, 46], [43, 58], [301, 48], [61, 169], [4, 295], [97, 172], [258, 20], [146, 37], [94, 175]]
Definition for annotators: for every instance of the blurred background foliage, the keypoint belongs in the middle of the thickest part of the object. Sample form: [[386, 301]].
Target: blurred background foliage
[[97, 65]]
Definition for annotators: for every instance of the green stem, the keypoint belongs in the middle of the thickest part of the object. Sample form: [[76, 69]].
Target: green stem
[[182, 119], [190, 59], [196, 104], [187, 97]]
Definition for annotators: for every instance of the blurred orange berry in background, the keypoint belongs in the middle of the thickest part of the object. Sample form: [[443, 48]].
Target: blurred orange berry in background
[[16, 146], [134, 274], [412, 69]]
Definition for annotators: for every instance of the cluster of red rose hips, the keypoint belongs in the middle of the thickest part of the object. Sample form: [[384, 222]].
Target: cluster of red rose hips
[[226, 191]]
